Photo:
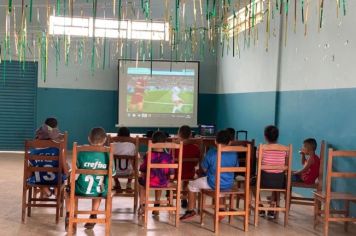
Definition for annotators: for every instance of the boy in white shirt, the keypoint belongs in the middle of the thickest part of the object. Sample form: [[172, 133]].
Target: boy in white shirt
[[122, 166]]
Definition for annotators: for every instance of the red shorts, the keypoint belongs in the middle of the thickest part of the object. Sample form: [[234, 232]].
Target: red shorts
[[135, 99]]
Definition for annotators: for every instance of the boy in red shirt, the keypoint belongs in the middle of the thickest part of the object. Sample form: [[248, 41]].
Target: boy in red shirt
[[190, 150], [310, 171]]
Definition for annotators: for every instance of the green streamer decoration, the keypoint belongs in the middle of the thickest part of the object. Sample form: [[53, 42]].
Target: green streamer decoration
[[104, 56], [286, 24], [321, 13], [119, 9], [80, 52], [295, 16], [302, 1], [43, 57], [344, 6], [67, 49], [58, 8], [57, 45], [92, 66], [30, 10], [177, 22], [10, 6]]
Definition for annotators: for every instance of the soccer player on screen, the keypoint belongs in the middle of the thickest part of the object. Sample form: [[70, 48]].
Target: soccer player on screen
[[177, 101], [136, 104]]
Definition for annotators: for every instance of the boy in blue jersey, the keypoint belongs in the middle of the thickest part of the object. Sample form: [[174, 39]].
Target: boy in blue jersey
[[48, 131], [228, 159]]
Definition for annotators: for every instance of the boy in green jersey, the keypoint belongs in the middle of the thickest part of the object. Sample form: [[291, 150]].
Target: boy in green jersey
[[92, 185]]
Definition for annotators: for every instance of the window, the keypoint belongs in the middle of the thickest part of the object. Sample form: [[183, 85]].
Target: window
[[243, 18], [85, 27]]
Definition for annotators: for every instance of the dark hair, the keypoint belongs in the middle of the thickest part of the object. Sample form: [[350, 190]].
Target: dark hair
[[159, 137], [97, 135], [271, 133], [232, 133], [223, 137], [51, 122], [123, 132], [312, 142], [184, 132]]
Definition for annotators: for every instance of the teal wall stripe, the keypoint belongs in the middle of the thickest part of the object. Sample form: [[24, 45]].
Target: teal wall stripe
[[78, 110]]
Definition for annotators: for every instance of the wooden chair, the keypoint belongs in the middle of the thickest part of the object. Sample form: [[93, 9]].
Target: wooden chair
[[241, 177], [171, 188], [29, 196], [325, 197], [190, 159], [230, 194], [317, 186], [134, 160], [74, 199], [286, 168]]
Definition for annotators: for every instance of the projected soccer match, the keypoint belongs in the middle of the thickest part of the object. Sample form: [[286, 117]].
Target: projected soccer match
[[165, 95]]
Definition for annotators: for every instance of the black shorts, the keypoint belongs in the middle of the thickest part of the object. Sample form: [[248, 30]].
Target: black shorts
[[273, 180]]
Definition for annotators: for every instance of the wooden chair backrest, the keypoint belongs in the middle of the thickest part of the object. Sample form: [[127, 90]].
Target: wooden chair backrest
[[287, 167], [195, 141], [118, 139], [330, 173], [246, 169], [75, 170], [38, 144], [252, 152], [171, 146], [321, 167]]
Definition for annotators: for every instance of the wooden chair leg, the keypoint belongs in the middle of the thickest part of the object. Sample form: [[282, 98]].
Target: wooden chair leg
[[76, 206], [24, 205], [62, 201], [278, 201], [29, 201], [347, 212], [135, 196], [257, 203], [317, 210], [326, 217], [231, 207], [247, 210], [216, 216], [202, 207], [108, 207], [287, 204]]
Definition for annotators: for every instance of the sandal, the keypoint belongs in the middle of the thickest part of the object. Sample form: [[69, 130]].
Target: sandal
[[141, 210], [90, 225]]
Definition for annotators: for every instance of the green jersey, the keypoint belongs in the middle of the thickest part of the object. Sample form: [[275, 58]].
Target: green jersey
[[92, 185]]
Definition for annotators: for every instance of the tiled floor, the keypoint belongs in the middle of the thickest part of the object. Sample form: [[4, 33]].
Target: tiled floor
[[124, 222]]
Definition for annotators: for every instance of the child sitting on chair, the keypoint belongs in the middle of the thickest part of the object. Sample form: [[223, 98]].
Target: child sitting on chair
[[159, 178], [272, 179], [310, 171], [89, 185], [123, 166], [228, 159], [48, 131], [189, 151]]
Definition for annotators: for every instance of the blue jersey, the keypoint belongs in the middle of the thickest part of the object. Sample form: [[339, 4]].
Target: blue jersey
[[228, 159], [44, 177]]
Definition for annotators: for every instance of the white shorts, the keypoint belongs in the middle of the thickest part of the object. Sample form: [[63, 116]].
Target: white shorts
[[196, 185]]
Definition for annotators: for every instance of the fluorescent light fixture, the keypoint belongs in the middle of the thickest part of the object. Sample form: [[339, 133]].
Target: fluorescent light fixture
[[85, 27], [242, 17]]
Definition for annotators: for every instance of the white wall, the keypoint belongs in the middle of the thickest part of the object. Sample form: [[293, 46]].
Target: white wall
[[320, 60]]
